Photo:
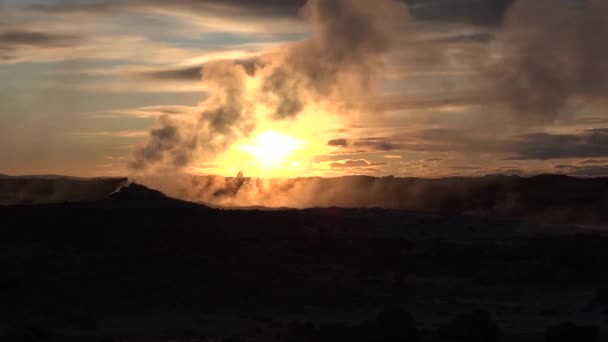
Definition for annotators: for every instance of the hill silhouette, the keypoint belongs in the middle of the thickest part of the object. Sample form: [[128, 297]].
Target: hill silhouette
[[136, 195], [543, 198]]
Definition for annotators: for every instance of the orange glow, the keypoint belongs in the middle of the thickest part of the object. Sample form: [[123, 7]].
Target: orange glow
[[273, 150], [277, 149]]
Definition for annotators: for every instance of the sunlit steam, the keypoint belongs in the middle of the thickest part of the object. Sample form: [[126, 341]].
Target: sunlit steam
[[272, 149], [332, 70]]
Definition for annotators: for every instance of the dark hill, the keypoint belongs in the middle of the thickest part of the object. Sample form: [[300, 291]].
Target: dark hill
[[56, 189], [136, 195], [543, 198]]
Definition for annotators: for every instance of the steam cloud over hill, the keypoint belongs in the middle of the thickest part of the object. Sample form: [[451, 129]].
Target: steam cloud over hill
[[332, 68], [541, 62], [547, 198]]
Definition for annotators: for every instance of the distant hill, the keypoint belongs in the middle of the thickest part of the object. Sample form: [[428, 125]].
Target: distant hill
[[544, 198], [135, 195], [55, 189]]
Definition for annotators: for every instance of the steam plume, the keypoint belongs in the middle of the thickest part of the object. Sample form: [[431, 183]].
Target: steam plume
[[333, 68], [554, 56]]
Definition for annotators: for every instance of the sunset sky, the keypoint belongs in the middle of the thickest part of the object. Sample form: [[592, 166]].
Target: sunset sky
[[434, 88]]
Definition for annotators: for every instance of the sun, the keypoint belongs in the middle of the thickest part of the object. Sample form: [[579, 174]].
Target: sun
[[273, 150]]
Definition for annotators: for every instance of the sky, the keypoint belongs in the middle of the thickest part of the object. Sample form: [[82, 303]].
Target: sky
[[289, 88]]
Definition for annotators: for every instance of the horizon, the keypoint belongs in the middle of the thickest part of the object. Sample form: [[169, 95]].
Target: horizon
[[134, 178]]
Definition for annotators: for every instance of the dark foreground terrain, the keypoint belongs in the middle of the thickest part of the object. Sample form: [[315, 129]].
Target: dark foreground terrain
[[138, 266]]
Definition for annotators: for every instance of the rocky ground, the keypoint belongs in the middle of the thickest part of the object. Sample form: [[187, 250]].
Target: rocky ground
[[142, 267]]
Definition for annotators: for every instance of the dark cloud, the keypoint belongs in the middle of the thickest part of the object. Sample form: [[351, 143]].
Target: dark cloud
[[184, 74], [257, 8], [543, 146], [584, 171], [374, 144], [195, 73], [463, 167], [552, 58], [32, 38], [354, 164], [478, 37], [338, 142], [377, 144], [480, 12], [598, 130], [594, 161], [511, 171], [590, 171], [349, 164], [536, 146]]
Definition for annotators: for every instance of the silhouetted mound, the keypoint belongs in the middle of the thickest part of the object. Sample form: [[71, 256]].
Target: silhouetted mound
[[136, 192], [474, 327], [136, 195], [569, 332]]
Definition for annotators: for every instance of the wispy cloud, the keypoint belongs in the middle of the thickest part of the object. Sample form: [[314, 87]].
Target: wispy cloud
[[114, 134]]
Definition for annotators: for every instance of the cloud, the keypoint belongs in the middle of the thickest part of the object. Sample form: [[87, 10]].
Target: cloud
[[485, 12], [252, 17], [550, 58], [14, 42], [148, 112], [594, 161], [338, 142], [490, 12], [374, 144], [347, 164], [195, 73], [532, 146], [543, 146], [584, 171], [115, 134], [330, 69], [32, 38], [183, 74], [354, 164], [267, 8]]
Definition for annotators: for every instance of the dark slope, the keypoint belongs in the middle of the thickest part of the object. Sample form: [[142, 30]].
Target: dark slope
[[80, 269], [82, 272], [138, 196]]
